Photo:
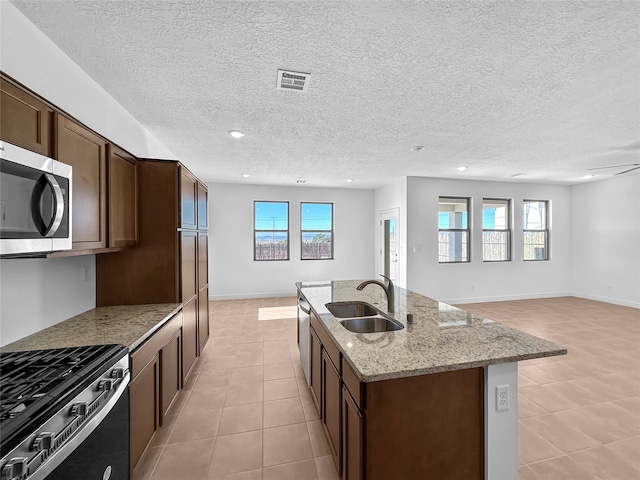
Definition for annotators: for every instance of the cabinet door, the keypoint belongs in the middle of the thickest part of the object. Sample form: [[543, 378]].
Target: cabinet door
[[189, 337], [331, 402], [315, 352], [188, 195], [203, 259], [86, 153], [170, 378], [351, 439], [26, 121], [203, 207], [203, 318], [143, 409], [188, 265], [123, 198]]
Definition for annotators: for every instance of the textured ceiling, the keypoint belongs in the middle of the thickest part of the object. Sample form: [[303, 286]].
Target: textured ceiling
[[543, 88]]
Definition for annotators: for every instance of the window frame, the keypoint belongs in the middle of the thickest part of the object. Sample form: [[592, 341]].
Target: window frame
[[466, 230], [547, 243], [302, 232], [255, 202], [508, 230]]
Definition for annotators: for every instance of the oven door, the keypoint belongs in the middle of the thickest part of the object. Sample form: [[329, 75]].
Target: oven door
[[104, 453], [35, 202]]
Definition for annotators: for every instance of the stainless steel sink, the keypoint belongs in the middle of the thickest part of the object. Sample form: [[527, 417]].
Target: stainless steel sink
[[352, 309], [362, 317], [370, 324]]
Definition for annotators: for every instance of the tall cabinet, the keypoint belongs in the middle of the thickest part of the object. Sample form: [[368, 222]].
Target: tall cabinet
[[170, 263]]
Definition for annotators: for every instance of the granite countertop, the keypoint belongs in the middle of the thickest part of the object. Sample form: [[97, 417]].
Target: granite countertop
[[441, 338], [129, 325]]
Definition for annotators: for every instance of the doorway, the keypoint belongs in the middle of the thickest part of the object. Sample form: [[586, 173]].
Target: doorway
[[389, 243]]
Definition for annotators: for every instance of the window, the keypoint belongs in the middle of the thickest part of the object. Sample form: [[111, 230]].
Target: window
[[496, 230], [536, 230], [316, 221], [271, 231], [453, 230]]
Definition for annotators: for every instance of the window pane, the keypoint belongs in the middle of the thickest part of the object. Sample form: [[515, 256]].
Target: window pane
[[317, 216], [495, 246], [453, 247], [316, 221], [495, 214], [272, 246], [271, 231], [535, 215], [535, 245], [452, 213], [272, 216], [317, 245]]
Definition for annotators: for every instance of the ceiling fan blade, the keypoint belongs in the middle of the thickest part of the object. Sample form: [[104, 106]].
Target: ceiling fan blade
[[616, 166], [630, 170]]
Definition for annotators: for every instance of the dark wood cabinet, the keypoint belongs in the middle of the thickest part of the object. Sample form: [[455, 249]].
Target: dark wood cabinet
[[188, 264], [170, 357], [123, 198], [203, 318], [315, 352], [352, 446], [25, 120], [188, 200], [189, 336], [86, 153], [203, 207], [330, 406], [155, 380], [143, 409]]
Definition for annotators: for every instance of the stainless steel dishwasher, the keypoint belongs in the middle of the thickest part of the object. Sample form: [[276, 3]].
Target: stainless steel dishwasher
[[304, 318]]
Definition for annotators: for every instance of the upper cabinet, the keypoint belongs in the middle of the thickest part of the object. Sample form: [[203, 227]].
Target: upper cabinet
[[123, 198], [203, 202], [25, 120], [86, 152], [188, 200]]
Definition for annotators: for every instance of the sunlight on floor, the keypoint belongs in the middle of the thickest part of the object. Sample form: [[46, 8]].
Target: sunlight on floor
[[277, 313]]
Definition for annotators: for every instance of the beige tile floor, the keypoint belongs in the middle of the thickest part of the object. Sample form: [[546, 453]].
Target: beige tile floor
[[246, 413]]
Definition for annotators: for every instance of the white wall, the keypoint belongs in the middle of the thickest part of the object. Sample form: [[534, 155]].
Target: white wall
[[605, 256], [37, 293], [234, 274], [387, 197], [478, 281]]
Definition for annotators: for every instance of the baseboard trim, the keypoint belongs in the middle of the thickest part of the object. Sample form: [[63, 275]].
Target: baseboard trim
[[615, 301], [504, 298]]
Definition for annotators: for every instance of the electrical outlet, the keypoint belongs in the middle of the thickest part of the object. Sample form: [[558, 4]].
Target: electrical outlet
[[473, 287], [502, 398]]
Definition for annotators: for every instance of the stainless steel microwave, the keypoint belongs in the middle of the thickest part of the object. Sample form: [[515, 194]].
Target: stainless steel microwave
[[35, 203]]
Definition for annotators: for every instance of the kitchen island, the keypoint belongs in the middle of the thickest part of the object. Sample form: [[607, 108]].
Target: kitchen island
[[435, 399]]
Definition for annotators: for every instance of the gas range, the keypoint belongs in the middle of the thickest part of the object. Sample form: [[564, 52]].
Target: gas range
[[53, 401]]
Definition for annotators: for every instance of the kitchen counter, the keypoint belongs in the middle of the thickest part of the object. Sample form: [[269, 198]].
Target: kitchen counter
[[441, 338], [129, 325]]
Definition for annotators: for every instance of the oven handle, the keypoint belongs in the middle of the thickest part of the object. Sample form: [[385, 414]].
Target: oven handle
[[81, 434], [58, 205]]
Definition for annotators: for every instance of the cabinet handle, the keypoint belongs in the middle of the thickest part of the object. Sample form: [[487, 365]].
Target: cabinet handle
[[58, 205]]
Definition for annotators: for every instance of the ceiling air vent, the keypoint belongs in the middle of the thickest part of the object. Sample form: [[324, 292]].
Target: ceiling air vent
[[295, 81]]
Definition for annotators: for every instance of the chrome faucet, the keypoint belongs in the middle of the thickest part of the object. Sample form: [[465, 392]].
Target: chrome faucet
[[388, 289]]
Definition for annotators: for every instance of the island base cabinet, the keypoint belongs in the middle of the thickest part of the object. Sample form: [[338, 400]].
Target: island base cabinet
[[432, 424], [351, 438], [330, 406]]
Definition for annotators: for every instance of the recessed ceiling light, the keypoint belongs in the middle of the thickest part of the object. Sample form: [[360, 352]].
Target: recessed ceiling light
[[418, 148], [589, 176], [463, 168], [246, 175], [236, 133], [349, 180]]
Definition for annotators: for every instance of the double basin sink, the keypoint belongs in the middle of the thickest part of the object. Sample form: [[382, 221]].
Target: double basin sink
[[362, 317]]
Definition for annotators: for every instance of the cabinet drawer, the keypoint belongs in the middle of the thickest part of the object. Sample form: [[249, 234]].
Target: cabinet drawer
[[352, 383], [141, 356], [326, 340]]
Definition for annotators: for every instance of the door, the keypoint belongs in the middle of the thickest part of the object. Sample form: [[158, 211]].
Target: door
[[389, 243], [330, 406]]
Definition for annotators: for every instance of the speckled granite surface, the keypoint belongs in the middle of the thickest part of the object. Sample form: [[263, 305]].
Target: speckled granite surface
[[129, 325], [441, 338]]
